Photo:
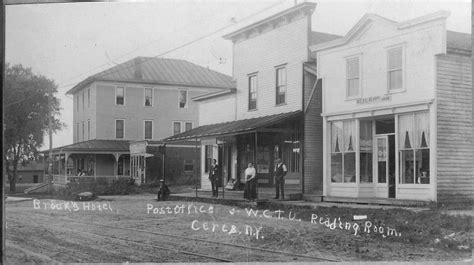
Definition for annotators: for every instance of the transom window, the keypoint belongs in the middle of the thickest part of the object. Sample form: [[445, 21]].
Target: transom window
[[183, 99], [252, 92], [395, 69], [120, 96], [280, 85], [148, 97], [352, 77], [119, 129], [148, 129]]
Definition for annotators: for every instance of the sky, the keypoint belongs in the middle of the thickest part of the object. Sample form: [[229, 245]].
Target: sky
[[68, 42]]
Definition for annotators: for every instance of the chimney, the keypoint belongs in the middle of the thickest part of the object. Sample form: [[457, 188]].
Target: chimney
[[138, 75]]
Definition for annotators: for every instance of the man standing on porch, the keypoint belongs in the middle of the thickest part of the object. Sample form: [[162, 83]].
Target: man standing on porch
[[214, 177], [280, 172]]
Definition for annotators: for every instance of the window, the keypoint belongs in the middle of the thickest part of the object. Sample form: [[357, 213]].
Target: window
[[395, 71], [183, 99], [342, 151], [365, 163], [176, 127], [207, 158], [188, 165], [77, 103], [280, 85], [188, 126], [148, 97], [148, 129], [413, 146], [120, 96], [77, 132], [83, 100], [88, 129], [119, 129], [352, 77], [89, 98], [83, 138], [252, 92]]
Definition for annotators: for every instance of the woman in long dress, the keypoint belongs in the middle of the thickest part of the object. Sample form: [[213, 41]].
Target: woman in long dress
[[250, 192]]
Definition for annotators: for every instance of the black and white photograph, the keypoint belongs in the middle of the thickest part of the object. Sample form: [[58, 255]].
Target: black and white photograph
[[237, 131]]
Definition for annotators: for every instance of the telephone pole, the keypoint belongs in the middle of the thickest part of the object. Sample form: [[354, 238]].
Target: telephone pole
[[50, 131]]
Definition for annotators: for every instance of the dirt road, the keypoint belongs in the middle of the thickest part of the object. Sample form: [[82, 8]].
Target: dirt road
[[138, 229]]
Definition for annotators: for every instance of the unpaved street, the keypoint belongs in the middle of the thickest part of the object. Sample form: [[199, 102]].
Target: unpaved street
[[138, 229]]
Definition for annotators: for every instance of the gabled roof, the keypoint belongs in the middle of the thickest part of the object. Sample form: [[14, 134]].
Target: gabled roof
[[368, 18], [95, 146], [458, 42], [233, 127], [162, 71]]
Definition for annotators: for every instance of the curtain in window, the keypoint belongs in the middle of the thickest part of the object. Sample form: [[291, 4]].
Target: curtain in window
[[349, 133], [406, 131], [336, 136], [422, 130], [365, 135]]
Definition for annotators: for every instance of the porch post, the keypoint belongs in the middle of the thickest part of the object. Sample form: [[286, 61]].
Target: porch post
[[117, 157], [197, 171], [255, 163], [222, 166]]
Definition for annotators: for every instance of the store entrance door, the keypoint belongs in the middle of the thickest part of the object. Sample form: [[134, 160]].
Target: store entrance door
[[385, 166]]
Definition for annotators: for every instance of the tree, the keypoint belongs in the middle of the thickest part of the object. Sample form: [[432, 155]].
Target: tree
[[25, 120]]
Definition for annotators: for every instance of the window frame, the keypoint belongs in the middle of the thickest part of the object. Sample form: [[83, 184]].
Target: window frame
[[388, 70], [144, 96], [186, 99], [346, 77], [123, 120], [277, 86], [188, 122], [124, 97], [83, 129], [144, 129], [172, 127], [83, 105], [249, 78], [88, 129], [88, 97]]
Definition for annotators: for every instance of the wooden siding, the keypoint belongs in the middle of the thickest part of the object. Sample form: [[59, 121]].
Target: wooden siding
[[313, 137], [455, 170]]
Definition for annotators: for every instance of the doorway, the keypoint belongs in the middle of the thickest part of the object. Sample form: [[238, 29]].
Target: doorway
[[385, 166]]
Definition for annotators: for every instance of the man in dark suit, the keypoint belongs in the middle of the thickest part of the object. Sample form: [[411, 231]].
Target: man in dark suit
[[163, 191], [280, 172], [214, 173]]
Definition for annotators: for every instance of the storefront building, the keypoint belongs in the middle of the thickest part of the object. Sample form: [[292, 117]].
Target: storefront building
[[389, 120]]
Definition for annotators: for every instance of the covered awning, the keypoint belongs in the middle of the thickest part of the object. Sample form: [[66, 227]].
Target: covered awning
[[233, 127], [94, 147]]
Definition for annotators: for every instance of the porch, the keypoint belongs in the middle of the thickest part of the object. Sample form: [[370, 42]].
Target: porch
[[89, 161]]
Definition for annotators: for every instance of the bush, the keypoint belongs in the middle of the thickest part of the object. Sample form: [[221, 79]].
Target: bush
[[99, 187]]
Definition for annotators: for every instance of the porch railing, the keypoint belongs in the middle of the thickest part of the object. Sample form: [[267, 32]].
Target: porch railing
[[99, 179]]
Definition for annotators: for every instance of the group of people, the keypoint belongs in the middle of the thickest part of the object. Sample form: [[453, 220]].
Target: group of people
[[250, 189]]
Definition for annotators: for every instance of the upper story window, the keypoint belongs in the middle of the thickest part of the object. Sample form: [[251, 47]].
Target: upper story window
[[77, 102], [183, 99], [280, 85], [83, 100], [395, 69], [253, 92], [148, 129], [88, 129], [120, 96], [352, 77], [88, 98], [119, 129], [176, 127], [188, 126], [148, 97]]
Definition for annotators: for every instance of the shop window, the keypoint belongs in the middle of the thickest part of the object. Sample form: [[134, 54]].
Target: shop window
[[352, 77], [120, 96], [342, 151], [414, 151], [252, 92], [208, 158], [188, 165], [280, 85], [395, 69], [365, 148]]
